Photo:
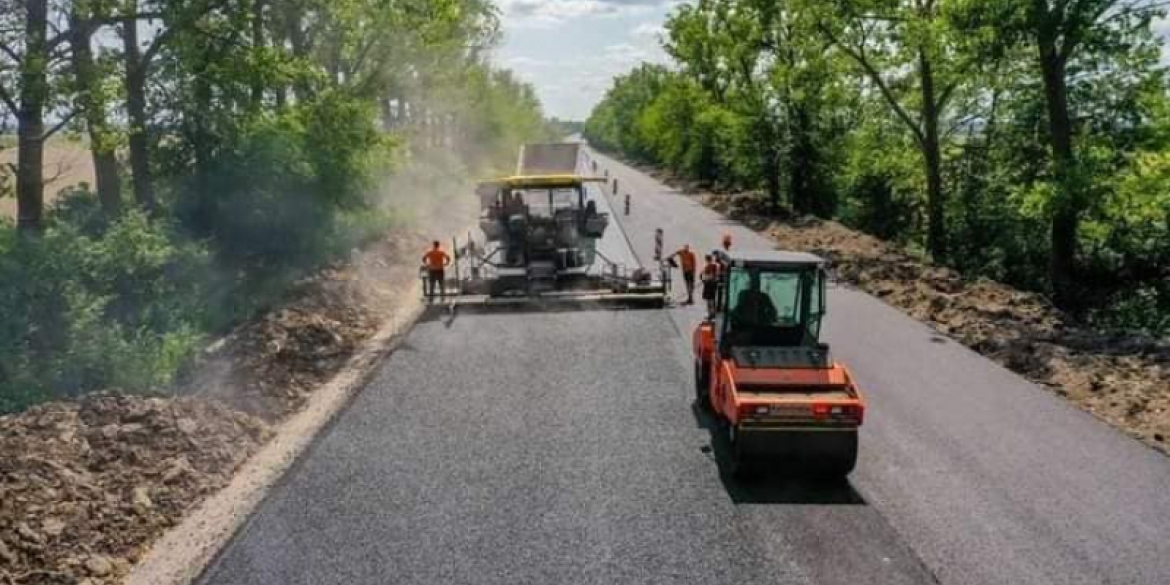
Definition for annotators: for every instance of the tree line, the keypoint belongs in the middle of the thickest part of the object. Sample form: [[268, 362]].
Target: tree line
[[235, 145], [1025, 140]]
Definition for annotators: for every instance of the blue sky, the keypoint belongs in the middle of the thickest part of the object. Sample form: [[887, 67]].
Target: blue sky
[[571, 49]]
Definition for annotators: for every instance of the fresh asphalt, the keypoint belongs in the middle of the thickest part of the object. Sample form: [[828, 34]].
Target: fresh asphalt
[[563, 447]]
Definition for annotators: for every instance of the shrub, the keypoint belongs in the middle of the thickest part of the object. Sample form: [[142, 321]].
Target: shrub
[[78, 312]]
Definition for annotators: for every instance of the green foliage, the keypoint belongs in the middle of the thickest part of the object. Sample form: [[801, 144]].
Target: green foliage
[[262, 138], [563, 128], [271, 199], [497, 114], [80, 312], [827, 106]]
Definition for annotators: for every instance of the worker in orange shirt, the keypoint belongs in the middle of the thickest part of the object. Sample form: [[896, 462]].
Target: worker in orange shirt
[[710, 279], [687, 261], [435, 261], [727, 243]]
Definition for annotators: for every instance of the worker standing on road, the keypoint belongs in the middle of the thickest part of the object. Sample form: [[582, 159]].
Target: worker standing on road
[[687, 261], [721, 269], [710, 279], [727, 243], [435, 261]]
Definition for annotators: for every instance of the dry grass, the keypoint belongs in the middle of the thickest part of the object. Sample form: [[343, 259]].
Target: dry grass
[[67, 164]]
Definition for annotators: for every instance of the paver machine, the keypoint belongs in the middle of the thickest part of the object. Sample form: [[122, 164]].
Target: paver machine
[[761, 368], [540, 236]]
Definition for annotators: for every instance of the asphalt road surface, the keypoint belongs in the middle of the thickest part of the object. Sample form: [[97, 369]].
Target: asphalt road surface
[[562, 447]]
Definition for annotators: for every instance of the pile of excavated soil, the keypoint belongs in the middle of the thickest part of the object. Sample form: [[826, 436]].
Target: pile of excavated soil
[[1122, 379], [270, 366], [87, 485], [83, 485]]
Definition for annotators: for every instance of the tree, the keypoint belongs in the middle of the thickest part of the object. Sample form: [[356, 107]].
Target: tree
[[89, 87], [728, 45], [28, 62], [907, 52], [1060, 30]]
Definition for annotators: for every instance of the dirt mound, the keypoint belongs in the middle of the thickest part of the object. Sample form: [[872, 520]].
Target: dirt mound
[[269, 367], [84, 484], [1124, 380]]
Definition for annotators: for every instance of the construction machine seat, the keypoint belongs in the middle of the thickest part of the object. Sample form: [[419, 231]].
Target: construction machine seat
[[753, 310], [755, 321]]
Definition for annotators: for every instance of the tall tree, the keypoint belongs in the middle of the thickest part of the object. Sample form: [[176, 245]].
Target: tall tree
[[32, 55], [905, 50], [729, 45], [1060, 30], [136, 64]]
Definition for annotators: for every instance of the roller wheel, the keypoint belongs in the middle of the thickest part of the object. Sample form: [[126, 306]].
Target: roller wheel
[[738, 462], [702, 386], [843, 460]]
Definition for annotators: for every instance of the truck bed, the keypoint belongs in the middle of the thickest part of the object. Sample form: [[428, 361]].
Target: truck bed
[[548, 159]]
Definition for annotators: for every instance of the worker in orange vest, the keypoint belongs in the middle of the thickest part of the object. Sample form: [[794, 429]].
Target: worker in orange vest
[[710, 278], [727, 243], [687, 261], [435, 261]]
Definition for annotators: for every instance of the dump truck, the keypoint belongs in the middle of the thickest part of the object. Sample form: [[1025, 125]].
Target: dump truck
[[762, 370], [539, 241]]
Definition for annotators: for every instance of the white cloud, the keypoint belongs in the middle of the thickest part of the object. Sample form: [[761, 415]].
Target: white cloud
[[544, 13], [1161, 28], [626, 53], [571, 50], [648, 30], [522, 62]]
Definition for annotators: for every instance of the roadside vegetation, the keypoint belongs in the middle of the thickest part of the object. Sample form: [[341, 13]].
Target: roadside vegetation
[[237, 145], [1026, 142]]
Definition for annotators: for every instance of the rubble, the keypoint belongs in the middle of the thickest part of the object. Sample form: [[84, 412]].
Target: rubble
[[83, 485]]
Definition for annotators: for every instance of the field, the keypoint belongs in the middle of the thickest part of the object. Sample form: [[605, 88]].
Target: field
[[66, 164]]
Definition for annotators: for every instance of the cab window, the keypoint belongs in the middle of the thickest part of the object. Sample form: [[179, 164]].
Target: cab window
[[763, 299], [776, 304]]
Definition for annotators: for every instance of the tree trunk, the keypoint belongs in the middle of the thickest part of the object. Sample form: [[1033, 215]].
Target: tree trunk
[[105, 160], [300, 49], [936, 233], [798, 179], [772, 177], [199, 135], [34, 91], [801, 161], [136, 112], [387, 115], [1066, 206], [258, 43]]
